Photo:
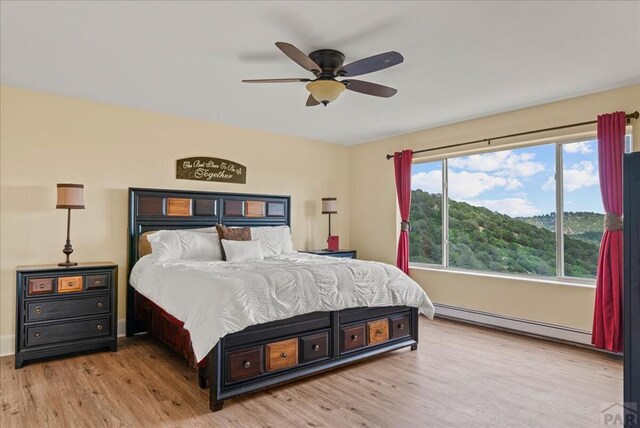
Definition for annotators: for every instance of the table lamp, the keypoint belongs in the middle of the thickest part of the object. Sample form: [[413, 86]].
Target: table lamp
[[330, 206], [70, 197]]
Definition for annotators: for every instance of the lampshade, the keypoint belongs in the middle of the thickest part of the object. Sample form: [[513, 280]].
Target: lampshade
[[329, 206], [325, 91], [70, 196]]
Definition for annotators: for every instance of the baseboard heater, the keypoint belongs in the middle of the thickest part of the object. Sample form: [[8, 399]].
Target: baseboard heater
[[516, 325]]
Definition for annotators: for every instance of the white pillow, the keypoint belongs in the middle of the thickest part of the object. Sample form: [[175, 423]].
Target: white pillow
[[185, 244], [210, 229], [198, 245], [239, 251], [165, 245], [274, 240]]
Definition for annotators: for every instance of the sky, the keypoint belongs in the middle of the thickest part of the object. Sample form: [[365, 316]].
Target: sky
[[519, 182]]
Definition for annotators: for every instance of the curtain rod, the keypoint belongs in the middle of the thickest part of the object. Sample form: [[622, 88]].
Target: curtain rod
[[634, 115]]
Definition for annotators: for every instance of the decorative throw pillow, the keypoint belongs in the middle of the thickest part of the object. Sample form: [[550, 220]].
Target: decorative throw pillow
[[232, 234], [240, 251]]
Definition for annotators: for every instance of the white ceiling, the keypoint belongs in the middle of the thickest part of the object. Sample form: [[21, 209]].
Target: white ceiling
[[462, 60]]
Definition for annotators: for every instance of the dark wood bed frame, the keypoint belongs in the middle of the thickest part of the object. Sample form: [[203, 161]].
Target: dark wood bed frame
[[264, 355]]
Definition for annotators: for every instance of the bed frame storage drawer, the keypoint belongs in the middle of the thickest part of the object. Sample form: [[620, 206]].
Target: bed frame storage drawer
[[54, 309], [314, 347], [62, 332], [39, 286], [400, 325], [378, 331], [352, 337], [282, 354], [244, 364]]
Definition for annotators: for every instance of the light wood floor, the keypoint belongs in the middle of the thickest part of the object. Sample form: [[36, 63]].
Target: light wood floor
[[460, 376]]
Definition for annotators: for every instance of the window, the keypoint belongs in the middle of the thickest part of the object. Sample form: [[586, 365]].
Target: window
[[496, 212], [426, 213], [583, 214]]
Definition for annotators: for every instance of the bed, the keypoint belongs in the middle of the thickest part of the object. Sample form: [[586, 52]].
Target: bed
[[248, 326]]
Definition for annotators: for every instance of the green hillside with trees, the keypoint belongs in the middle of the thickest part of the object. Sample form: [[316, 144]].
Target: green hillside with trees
[[581, 225], [481, 239]]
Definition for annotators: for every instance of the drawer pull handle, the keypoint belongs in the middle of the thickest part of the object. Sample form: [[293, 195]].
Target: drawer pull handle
[[96, 282], [69, 284], [379, 331], [354, 337], [99, 327], [284, 355], [37, 334], [315, 347], [37, 310], [246, 364], [41, 286], [100, 304], [401, 326]]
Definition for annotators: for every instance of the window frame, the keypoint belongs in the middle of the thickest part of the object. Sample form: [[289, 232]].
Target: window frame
[[558, 142]]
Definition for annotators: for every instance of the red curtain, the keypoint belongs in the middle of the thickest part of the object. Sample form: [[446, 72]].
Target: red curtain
[[402, 163], [607, 318]]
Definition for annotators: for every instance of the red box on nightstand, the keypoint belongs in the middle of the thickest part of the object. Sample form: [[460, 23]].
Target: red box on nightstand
[[332, 243]]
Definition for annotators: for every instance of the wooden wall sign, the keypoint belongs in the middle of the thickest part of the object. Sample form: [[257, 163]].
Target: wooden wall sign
[[211, 169]]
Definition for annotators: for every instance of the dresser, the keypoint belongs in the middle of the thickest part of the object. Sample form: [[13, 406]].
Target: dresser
[[347, 254], [64, 310]]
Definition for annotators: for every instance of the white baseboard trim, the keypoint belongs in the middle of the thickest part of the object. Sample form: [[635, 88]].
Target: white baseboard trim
[[8, 341], [533, 328]]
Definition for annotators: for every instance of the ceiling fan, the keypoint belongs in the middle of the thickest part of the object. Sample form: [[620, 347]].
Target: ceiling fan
[[326, 65]]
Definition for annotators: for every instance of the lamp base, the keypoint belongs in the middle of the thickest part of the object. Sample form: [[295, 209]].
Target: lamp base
[[68, 264]]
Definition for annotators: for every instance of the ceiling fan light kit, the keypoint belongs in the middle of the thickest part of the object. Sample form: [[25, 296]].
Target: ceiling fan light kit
[[326, 65], [325, 91]]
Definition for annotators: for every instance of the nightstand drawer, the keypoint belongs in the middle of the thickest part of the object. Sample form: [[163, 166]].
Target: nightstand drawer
[[69, 284], [62, 332], [47, 310], [39, 286], [97, 282]]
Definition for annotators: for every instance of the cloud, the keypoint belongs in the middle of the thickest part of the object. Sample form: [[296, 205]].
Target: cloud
[[583, 147], [513, 207], [579, 175], [550, 184], [504, 163], [428, 181], [462, 184]]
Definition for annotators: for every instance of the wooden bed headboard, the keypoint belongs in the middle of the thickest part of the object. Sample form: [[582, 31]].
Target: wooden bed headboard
[[156, 209]]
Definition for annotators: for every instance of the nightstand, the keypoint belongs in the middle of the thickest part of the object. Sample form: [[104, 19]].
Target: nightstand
[[63, 310], [347, 254]]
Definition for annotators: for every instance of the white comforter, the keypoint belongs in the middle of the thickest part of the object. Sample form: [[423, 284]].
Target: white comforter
[[214, 299]]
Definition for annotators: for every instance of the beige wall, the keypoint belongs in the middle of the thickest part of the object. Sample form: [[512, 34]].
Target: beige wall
[[373, 198], [47, 139]]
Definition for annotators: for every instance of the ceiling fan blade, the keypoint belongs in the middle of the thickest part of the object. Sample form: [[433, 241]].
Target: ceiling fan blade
[[299, 57], [371, 64], [369, 88], [276, 80], [312, 101]]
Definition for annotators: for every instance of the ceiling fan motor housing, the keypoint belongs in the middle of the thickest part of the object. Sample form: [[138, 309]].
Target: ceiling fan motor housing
[[329, 60]]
